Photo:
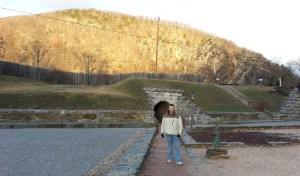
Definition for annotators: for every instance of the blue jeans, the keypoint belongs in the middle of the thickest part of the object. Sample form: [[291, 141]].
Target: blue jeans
[[173, 140]]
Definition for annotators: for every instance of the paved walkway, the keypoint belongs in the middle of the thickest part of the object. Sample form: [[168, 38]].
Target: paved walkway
[[74, 152], [155, 163]]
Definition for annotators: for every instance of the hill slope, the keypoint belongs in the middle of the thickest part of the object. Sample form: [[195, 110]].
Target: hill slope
[[93, 41]]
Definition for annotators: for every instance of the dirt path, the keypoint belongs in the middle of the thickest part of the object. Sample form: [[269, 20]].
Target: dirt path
[[236, 94]]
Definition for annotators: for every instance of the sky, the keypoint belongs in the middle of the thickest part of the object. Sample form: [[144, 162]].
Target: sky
[[269, 27]]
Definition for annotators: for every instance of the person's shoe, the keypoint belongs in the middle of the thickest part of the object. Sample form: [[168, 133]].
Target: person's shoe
[[169, 161], [179, 163]]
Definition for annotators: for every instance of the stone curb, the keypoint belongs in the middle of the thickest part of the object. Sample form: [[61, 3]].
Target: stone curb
[[253, 124], [188, 141], [77, 125], [128, 158]]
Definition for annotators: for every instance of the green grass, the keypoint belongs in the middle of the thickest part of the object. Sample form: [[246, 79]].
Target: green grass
[[126, 95], [263, 94], [213, 98], [23, 93]]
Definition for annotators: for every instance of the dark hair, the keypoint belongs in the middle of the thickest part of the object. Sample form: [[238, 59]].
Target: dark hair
[[174, 109]]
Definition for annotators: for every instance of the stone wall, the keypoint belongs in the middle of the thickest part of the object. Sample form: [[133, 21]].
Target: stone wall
[[184, 105], [156, 95], [57, 115], [235, 116]]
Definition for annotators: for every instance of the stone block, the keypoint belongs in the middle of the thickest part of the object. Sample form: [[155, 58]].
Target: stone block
[[215, 153]]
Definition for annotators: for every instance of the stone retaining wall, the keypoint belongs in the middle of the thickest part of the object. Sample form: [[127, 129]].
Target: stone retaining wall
[[57, 115], [225, 116], [208, 117]]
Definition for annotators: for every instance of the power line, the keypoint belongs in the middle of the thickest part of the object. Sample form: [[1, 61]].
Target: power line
[[97, 27], [81, 24]]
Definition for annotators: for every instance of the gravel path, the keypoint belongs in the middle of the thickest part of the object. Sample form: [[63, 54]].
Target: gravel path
[[38, 152], [253, 160]]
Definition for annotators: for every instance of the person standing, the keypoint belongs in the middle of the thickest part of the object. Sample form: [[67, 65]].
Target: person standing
[[171, 127]]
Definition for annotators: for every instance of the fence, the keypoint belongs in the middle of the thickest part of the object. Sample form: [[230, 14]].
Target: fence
[[258, 106], [60, 77]]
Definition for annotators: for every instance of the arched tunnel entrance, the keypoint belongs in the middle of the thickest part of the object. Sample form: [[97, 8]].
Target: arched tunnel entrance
[[160, 109]]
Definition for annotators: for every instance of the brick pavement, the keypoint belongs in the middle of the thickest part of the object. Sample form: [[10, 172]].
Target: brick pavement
[[155, 163]]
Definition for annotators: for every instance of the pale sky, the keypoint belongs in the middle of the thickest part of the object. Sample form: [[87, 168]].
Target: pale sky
[[269, 27]]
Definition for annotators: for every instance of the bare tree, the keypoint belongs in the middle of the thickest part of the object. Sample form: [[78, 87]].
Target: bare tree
[[289, 79], [87, 61], [38, 51], [295, 66], [102, 65]]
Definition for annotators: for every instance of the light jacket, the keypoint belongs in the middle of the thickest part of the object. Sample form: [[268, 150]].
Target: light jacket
[[171, 124]]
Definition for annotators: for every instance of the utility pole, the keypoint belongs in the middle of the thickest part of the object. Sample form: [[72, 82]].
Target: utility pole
[[157, 37]]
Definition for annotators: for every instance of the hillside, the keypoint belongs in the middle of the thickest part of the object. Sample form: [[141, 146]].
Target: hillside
[[92, 41], [127, 95]]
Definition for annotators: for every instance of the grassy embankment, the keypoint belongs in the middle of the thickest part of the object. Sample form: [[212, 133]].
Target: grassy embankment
[[125, 95], [263, 94]]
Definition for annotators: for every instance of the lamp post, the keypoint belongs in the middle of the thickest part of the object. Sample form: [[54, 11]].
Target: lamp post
[[192, 117], [260, 81]]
